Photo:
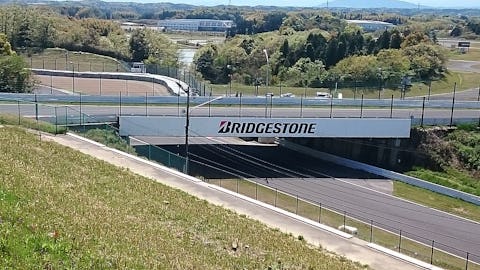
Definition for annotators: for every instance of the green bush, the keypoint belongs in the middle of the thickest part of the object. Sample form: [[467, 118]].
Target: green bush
[[111, 138]]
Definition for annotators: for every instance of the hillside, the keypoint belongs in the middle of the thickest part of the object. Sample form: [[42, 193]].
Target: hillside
[[60, 209], [449, 157], [370, 4]]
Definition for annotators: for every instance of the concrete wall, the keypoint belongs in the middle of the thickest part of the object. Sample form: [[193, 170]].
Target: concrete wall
[[382, 172]]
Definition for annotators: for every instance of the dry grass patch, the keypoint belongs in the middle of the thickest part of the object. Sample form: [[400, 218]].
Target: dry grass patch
[[107, 217]]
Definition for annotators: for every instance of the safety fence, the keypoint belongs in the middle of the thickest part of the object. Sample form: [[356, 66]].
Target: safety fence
[[398, 240], [404, 241]]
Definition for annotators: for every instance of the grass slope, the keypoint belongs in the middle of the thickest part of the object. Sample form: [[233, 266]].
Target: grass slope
[[61, 59], [63, 209]]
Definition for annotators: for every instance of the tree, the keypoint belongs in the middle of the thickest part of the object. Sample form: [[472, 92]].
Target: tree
[[332, 48], [393, 64], [456, 31], [426, 60], [139, 46], [383, 41], [14, 72], [396, 40], [5, 47], [357, 68], [415, 38]]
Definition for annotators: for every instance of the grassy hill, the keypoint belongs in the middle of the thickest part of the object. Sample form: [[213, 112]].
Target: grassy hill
[[62, 209]]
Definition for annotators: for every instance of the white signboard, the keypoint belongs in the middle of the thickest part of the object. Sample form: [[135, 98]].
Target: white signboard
[[265, 127]]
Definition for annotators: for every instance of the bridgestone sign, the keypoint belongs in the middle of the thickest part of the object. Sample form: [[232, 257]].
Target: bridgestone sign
[[235, 127], [265, 127]]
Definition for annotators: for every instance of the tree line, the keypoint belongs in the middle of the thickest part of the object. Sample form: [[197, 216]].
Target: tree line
[[317, 58], [29, 30]]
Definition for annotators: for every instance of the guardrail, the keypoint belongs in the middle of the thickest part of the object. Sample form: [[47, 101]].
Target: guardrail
[[215, 100]]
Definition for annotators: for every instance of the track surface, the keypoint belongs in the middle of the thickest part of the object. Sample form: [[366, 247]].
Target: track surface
[[306, 177]]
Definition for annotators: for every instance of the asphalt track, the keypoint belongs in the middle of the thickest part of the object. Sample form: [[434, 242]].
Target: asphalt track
[[310, 179]]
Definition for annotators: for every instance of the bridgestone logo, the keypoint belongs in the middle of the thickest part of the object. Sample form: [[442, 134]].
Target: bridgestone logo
[[229, 127]]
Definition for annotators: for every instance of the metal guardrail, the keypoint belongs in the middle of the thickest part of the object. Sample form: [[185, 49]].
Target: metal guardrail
[[382, 103]]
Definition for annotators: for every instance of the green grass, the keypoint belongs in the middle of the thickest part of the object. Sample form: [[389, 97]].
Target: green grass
[[437, 201], [107, 217], [472, 55], [24, 246], [9, 119], [464, 81], [334, 219], [58, 59], [451, 178]]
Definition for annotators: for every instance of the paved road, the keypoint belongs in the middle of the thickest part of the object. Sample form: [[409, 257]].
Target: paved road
[[464, 65], [305, 176]]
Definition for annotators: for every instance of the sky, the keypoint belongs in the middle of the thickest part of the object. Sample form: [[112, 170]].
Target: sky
[[309, 3]]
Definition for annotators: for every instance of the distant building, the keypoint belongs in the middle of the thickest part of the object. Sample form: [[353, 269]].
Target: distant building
[[196, 25], [371, 26], [130, 26]]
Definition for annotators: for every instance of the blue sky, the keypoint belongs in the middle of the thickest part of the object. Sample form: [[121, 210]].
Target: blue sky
[[308, 3]]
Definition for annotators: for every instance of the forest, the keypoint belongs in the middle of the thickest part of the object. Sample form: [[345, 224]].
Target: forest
[[304, 47]]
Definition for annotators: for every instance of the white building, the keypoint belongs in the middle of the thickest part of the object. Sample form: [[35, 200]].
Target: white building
[[371, 26], [195, 25]]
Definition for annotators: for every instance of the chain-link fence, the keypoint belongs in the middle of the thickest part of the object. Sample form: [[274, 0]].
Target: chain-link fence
[[395, 239]]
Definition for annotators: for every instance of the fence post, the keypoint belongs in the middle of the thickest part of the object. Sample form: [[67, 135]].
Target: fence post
[[239, 106], [400, 242], [431, 256], [478, 100], [36, 108], [453, 103], [56, 121], [320, 213], [466, 262], [19, 113], [146, 104], [276, 195], [301, 106], [150, 152], [423, 112], [391, 107], [429, 89], [120, 104], [80, 108], [237, 185], [66, 116], [256, 191], [296, 209], [331, 106], [371, 231], [361, 108], [344, 219]]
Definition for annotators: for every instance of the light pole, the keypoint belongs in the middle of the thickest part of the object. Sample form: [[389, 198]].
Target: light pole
[[187, 124], [268, 67], [229, 68]]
